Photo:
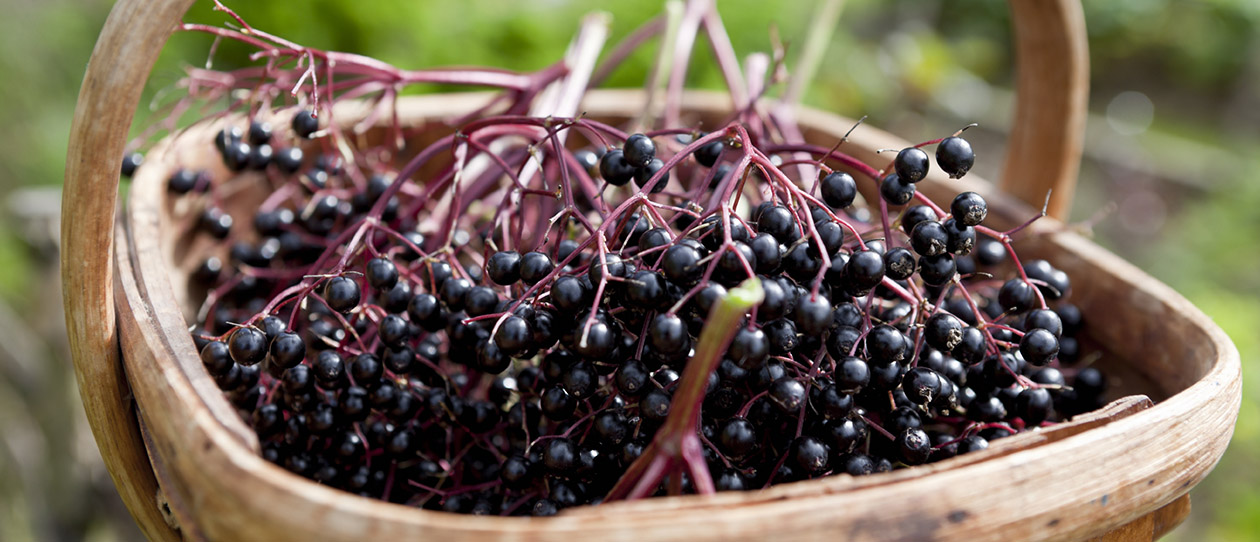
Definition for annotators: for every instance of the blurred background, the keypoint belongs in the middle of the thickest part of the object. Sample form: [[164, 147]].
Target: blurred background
[[1172, 150]]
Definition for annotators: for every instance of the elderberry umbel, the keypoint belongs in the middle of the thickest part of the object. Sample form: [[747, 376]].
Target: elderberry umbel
[[507, 325]]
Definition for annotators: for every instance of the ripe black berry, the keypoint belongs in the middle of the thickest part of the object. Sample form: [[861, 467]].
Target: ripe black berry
[[911, 164], [639, 150], [288, 349], [504, 267], [342, 294], [130, 162], [865, 269], [288, 160], [615, 169], [381, 273], [943, 331], [305, 124], [809, 455], [895, 191], [969, 209], [248, 345], [216, 358], [1016, 296], [929, 238], [954, 156], [915, 446], [937, 270], [838, 190], [534, 267], [899, 264], [668, 334], [1039, 346], [644, 174]]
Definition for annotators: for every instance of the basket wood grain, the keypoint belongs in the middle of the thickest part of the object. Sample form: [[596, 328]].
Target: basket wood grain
[[187, 460]]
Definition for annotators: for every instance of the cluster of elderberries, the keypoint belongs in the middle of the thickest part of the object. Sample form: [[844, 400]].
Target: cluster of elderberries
[[512, 363]]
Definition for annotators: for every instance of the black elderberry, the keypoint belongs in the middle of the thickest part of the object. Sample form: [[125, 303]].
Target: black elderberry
[[342, 294], [639, 150], [480, 301], [915, 215], [668, 334], [779, 222], [130, 162], [366, 370], [557, 404], [1039, 347], [954, 156], [288, 349], [896, 191], [929, 238], [899, 264], [851, 374], [534, 267], [943, 331], [247, 345], [654, 407], [961, 239], [1016, 296], [969, 209], [644, 174], [504, 267], [632, 378], [615, 169], [737, 438], [381, 273], [216, 358], [971, 346], [865, 269], [1034, 405], [708, 154], [911, 164], [809, 455], [885, 344], [216, 222], [838, 190], [937, 270], [305, 124], [915, 446]]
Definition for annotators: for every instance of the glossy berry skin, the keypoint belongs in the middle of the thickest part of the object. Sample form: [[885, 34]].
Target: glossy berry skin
[[381, 273], [810, 455], [305, 124], [709, 154], [899, 264], [288, 349], [639, 150], [1039, 347], [288, 160], [779, 222], [960, 239], [781, 334], [929, 238], [812, 315], [838, 190], [615, 169], [130, 162], [514, 335], [896, 191], [644, 174], [342, 294], [504, 267], [560, 455], [915, 446], [568, 293], [911, 164], [943, 331], [681, 264], [885, 344], [955, 157], [788, 394], [247, 345], [426, 311], [914, 215], [969, 209], [182, 181], [259, 132], [851, 374], [737, 438], [1034, 405], [216, 358], [921, 385], [1016, 296], [668, 334], [632, 378], [393, 331], [865, 269], [937, 270], [535, 266], [1044, 319], [971, 346]]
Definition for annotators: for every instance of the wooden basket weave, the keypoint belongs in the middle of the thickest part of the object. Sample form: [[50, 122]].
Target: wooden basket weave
[[187, 467]]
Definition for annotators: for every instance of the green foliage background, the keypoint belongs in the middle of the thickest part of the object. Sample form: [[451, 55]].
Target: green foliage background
[[920, 69]]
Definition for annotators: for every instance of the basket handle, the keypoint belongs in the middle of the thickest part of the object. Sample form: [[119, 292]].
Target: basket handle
[[1044, 153], [125, 53]]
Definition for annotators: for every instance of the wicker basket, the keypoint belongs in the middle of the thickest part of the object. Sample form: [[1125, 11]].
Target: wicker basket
[[187, 466]]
